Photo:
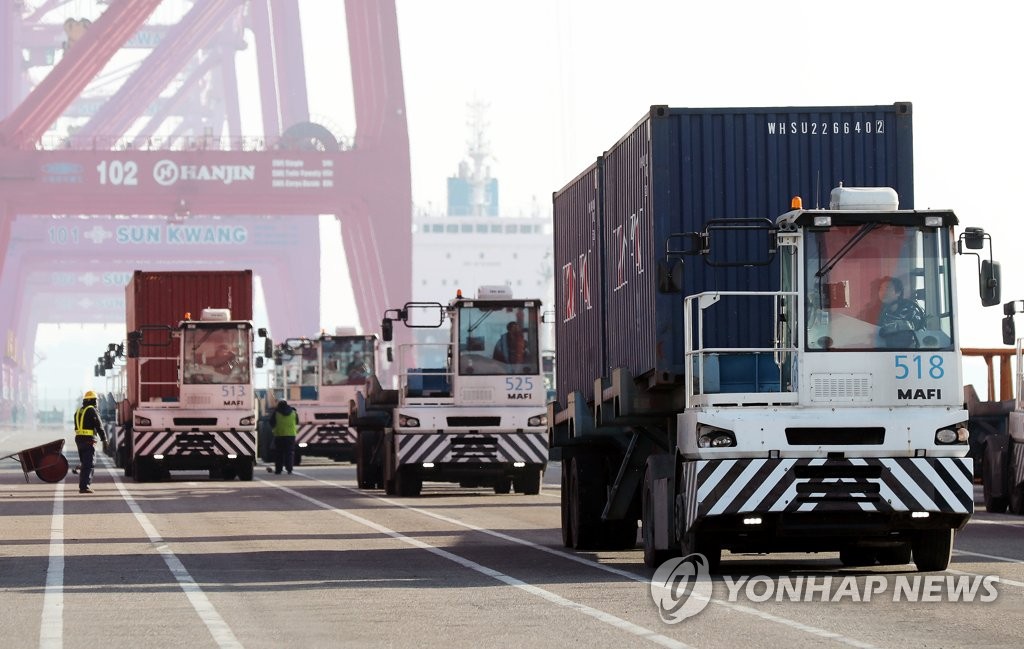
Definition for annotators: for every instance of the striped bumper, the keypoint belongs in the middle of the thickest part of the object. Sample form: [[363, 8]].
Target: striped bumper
[[726, 487], [192, 443], [416, 448], [325, 435]]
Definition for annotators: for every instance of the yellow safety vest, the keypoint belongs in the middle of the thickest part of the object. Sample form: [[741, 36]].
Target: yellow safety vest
[[80, 421]]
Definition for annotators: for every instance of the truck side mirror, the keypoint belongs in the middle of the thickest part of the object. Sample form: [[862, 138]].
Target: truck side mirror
[[259, 362], [973, 238], [262, 332], [386, 332], [134, 338], [268, 347], [989, 286], [1009, 334], [391, 355]]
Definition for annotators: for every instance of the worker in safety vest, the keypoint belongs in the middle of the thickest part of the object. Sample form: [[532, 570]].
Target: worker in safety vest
[[286, 426], [88, 426]]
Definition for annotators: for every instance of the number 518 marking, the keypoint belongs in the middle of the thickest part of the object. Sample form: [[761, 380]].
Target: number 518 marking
[[907, 365]]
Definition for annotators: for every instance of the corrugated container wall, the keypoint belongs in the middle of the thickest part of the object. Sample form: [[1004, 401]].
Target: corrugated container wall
[[679, 168], [163, 298], [578, 285]]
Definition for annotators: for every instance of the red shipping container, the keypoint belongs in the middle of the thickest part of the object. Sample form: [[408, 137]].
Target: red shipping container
[[162, 299]]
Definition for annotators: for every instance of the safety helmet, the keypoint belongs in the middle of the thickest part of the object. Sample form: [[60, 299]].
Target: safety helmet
[[89, 395]]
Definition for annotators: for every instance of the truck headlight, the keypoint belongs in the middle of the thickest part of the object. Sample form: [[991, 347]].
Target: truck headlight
[[142, 421], [538, 420], [950, 436], [408, 422], [708, 437], [248, 421]]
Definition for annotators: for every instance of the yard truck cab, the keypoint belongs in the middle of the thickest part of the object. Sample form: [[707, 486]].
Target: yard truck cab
[[470, 410], [205, 417], [319, 377]]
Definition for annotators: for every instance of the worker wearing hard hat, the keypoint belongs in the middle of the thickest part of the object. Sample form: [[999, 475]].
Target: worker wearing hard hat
[[88, 426]]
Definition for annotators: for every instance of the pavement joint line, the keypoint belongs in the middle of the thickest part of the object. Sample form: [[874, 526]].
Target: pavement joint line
[[793, 624], [601, 616]]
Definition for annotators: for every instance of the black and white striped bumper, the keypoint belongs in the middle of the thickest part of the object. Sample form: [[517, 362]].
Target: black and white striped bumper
[[194, 443], [326, 435], [718, 488], [467, 448]]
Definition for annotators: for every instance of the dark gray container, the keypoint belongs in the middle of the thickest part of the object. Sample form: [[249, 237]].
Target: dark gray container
[[679, 168], [579, 315]]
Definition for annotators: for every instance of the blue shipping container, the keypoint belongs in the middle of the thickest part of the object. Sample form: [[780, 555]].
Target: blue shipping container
[[578, 315], [679, 168]]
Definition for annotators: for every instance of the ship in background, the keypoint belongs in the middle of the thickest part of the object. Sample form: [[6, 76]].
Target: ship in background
[[473, 244]]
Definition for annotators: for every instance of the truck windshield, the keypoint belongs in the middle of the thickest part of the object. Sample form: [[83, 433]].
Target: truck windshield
[[883, 287], [347, 361], [498, 339], [216, 354]]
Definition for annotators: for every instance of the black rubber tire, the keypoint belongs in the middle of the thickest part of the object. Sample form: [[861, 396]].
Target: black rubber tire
[[407, 485], [1016, 504], [993, 504], [933, 550], [587, 497], [566, 528], [503, 486], [528, 482], [245, 470]]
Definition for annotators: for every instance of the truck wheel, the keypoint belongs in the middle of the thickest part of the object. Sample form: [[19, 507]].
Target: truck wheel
[[141, 471], [933, 549], [1017, 500], [587, 496], [245, 469], [528, 482], [989, 476], [564, 500], [653, 557], [894, 556], [296, 458], [503, 486], [407, 485], [369, 472], [694, 543]]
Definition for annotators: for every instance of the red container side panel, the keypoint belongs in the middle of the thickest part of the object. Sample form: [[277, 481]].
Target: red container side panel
[[157, 302], [578, 284]]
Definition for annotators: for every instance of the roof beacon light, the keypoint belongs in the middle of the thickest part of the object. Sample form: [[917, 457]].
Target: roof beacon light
[[796, 203]]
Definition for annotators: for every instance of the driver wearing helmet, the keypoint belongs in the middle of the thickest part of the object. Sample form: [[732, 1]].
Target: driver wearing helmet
[[88, 426]]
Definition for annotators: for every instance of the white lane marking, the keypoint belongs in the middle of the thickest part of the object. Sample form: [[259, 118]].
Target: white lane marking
[[793, 624], [599, 615], [984, 521], [51, 630], [216, 625], [988, 556], [1002, 580]]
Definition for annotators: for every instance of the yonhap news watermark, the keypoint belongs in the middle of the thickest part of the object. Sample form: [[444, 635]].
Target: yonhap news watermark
[[682, 587]]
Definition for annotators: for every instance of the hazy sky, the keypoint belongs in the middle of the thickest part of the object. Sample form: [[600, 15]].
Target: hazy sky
[[565, 78]]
